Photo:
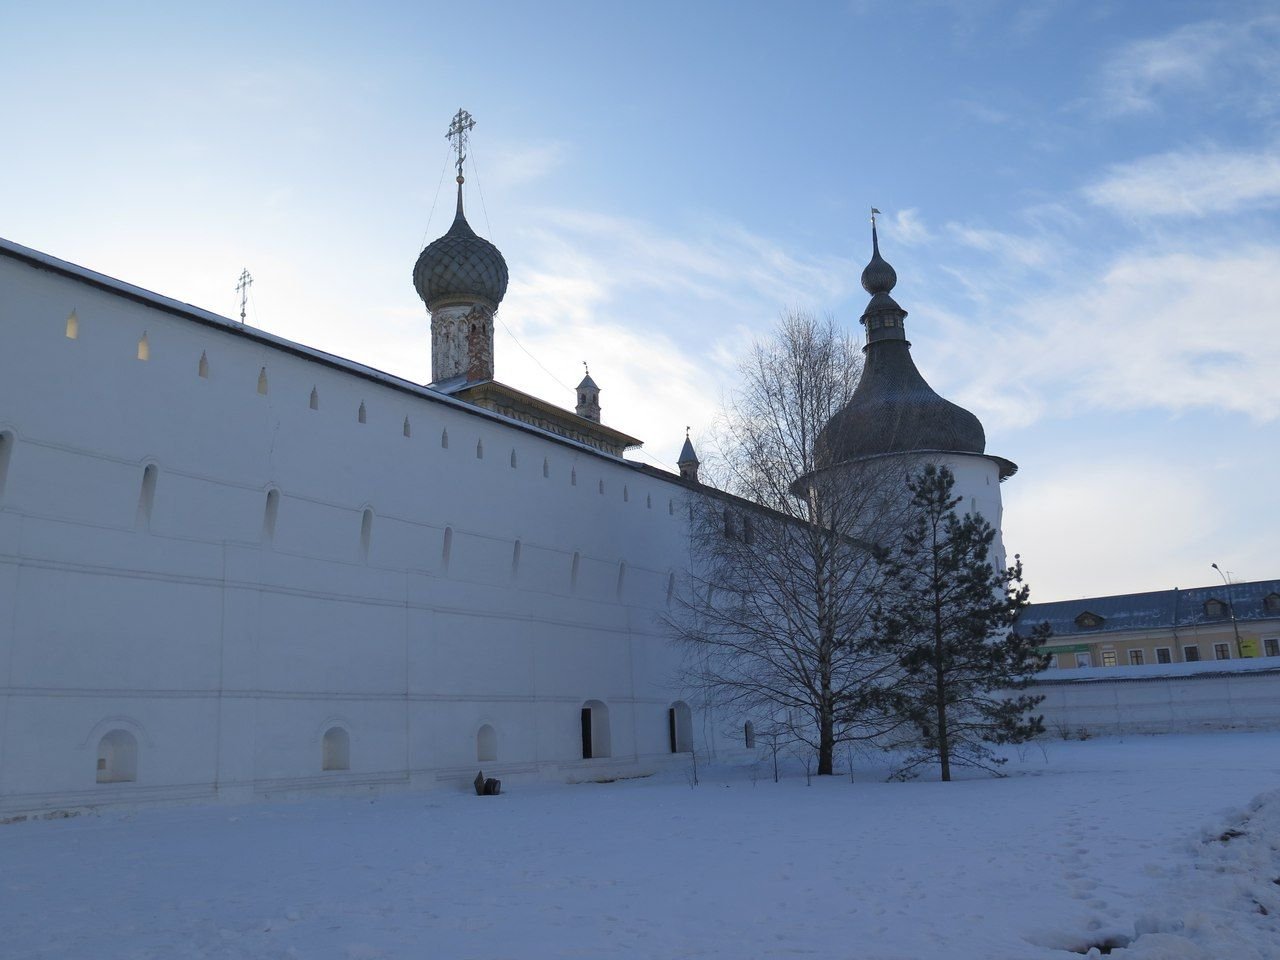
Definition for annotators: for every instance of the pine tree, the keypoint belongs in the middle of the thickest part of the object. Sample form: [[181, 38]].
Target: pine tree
[[947, 615]]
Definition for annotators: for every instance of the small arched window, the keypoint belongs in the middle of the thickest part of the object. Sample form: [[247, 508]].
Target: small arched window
[[513, 459], [546, 468], [361, 415], [730, 526], [314, 402], [335, 750], [622, 580], [202, 368], [486, 744], [444, 439], [515, 560], [118, 757], [479, 449], [602, 486], [749, 735], [144, 348], [262, 381], [366, 532], [573, 477], [147, 495], [407, 432], [6, 454], [447, 549], [269, 516], [680, 727], [626, 494], [73, 326], [573, 570]]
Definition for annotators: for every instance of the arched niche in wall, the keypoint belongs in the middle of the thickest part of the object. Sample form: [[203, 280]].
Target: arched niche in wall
[[487, 744], [594, 720], [117, 757], [335, 749], [680, 727]]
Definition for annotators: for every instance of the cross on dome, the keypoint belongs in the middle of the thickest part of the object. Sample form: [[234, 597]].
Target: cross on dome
[[459, 129]]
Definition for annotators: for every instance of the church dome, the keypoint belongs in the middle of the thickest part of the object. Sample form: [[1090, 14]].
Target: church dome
[[893, 409], [460, 267]]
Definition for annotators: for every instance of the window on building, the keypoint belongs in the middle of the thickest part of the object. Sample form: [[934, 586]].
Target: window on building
[[147, 496], [680, 727], [1108, 658], [202, 368], [1135, 658], [749, 735], [486, 744], [1214, 609], [1084, 660], [1271, 603], [336, 750], [144, 348], [1191, 654], [1164, 655], [366, 532], [6, 452], [406, 429], [1221, 651], [73, 326], [262, 381], [1271, 647], [118, 757], [270, 515]]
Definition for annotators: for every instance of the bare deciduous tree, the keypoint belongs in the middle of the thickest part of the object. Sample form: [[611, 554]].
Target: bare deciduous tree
[[776, 610]]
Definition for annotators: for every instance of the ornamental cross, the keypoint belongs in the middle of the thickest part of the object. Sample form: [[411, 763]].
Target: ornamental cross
[[458, 130], [242, 288]]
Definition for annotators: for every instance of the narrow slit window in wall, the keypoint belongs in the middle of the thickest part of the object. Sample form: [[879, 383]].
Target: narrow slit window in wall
[[602, 486], [262, 381], [407, 431], [6, 454], [147, 496], [446, 550], [515, 560], [648, 501], [269, 516], [479, 449], [314, 402], [573, 570], [622, 580], [366, 532], [546, 467], [573, 477], [671, 507], [73, 326], [444, 439], [513, 459], [144, 348], [361, 415], [626, 494], [202, 368]]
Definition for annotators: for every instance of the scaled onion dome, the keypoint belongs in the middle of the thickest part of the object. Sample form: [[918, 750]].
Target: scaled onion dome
[[893, 410], [460, 267]]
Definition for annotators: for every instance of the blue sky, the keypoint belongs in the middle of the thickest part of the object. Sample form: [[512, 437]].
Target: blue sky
[[1080, 200]]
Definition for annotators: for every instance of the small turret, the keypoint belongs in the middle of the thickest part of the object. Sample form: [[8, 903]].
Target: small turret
[[688, 462], [588, 398]]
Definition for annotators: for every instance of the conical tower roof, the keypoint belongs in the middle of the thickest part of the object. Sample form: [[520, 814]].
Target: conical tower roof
[[893, 409]]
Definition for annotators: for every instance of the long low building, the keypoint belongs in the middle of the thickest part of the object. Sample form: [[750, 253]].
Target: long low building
[[1221, 622]]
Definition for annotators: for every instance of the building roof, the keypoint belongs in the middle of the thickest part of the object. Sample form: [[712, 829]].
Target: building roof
[[1161, 609], [893, 409], [43, 261], [460, 267]]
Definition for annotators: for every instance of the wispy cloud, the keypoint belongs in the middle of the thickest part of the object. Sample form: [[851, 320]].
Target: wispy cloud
[[908, 228], [1239, 58], [1189, 183], [1176, 332]]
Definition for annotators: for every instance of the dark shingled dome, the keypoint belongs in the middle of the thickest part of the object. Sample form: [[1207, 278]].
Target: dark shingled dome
[[893, 410], [460, 266]]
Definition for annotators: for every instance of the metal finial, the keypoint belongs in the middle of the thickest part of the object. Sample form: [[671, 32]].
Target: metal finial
[[242, 288], [686, 432], [585, 369], [459, 129]]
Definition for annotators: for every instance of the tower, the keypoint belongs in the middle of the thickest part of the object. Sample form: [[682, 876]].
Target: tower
[[461, 277], [894, 412], [588, 398], [688, 462]]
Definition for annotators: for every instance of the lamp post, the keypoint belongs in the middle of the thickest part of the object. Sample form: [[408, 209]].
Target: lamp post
[[1231, 609]]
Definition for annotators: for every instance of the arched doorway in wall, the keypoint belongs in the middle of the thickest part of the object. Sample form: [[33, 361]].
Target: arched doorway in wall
[[749, 735], [680, 727], [487, 744], [118, 757], [335, 751], [595, 730]]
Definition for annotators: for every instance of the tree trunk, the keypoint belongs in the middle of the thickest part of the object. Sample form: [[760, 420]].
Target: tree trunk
[[826, 741], [940, 690]]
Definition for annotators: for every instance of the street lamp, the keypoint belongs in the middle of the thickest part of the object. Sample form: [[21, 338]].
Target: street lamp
[[1231, 609]]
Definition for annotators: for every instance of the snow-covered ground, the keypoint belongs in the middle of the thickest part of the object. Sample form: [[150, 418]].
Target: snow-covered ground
[[1105, 839]]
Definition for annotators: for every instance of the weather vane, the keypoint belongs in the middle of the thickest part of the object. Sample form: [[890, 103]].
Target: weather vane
[[874, 211], [458, 131]]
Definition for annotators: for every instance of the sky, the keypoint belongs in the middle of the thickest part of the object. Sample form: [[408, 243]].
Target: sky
[[1080, 200]]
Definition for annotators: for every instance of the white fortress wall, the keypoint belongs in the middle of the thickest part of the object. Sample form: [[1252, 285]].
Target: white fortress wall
[[283, 570]]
